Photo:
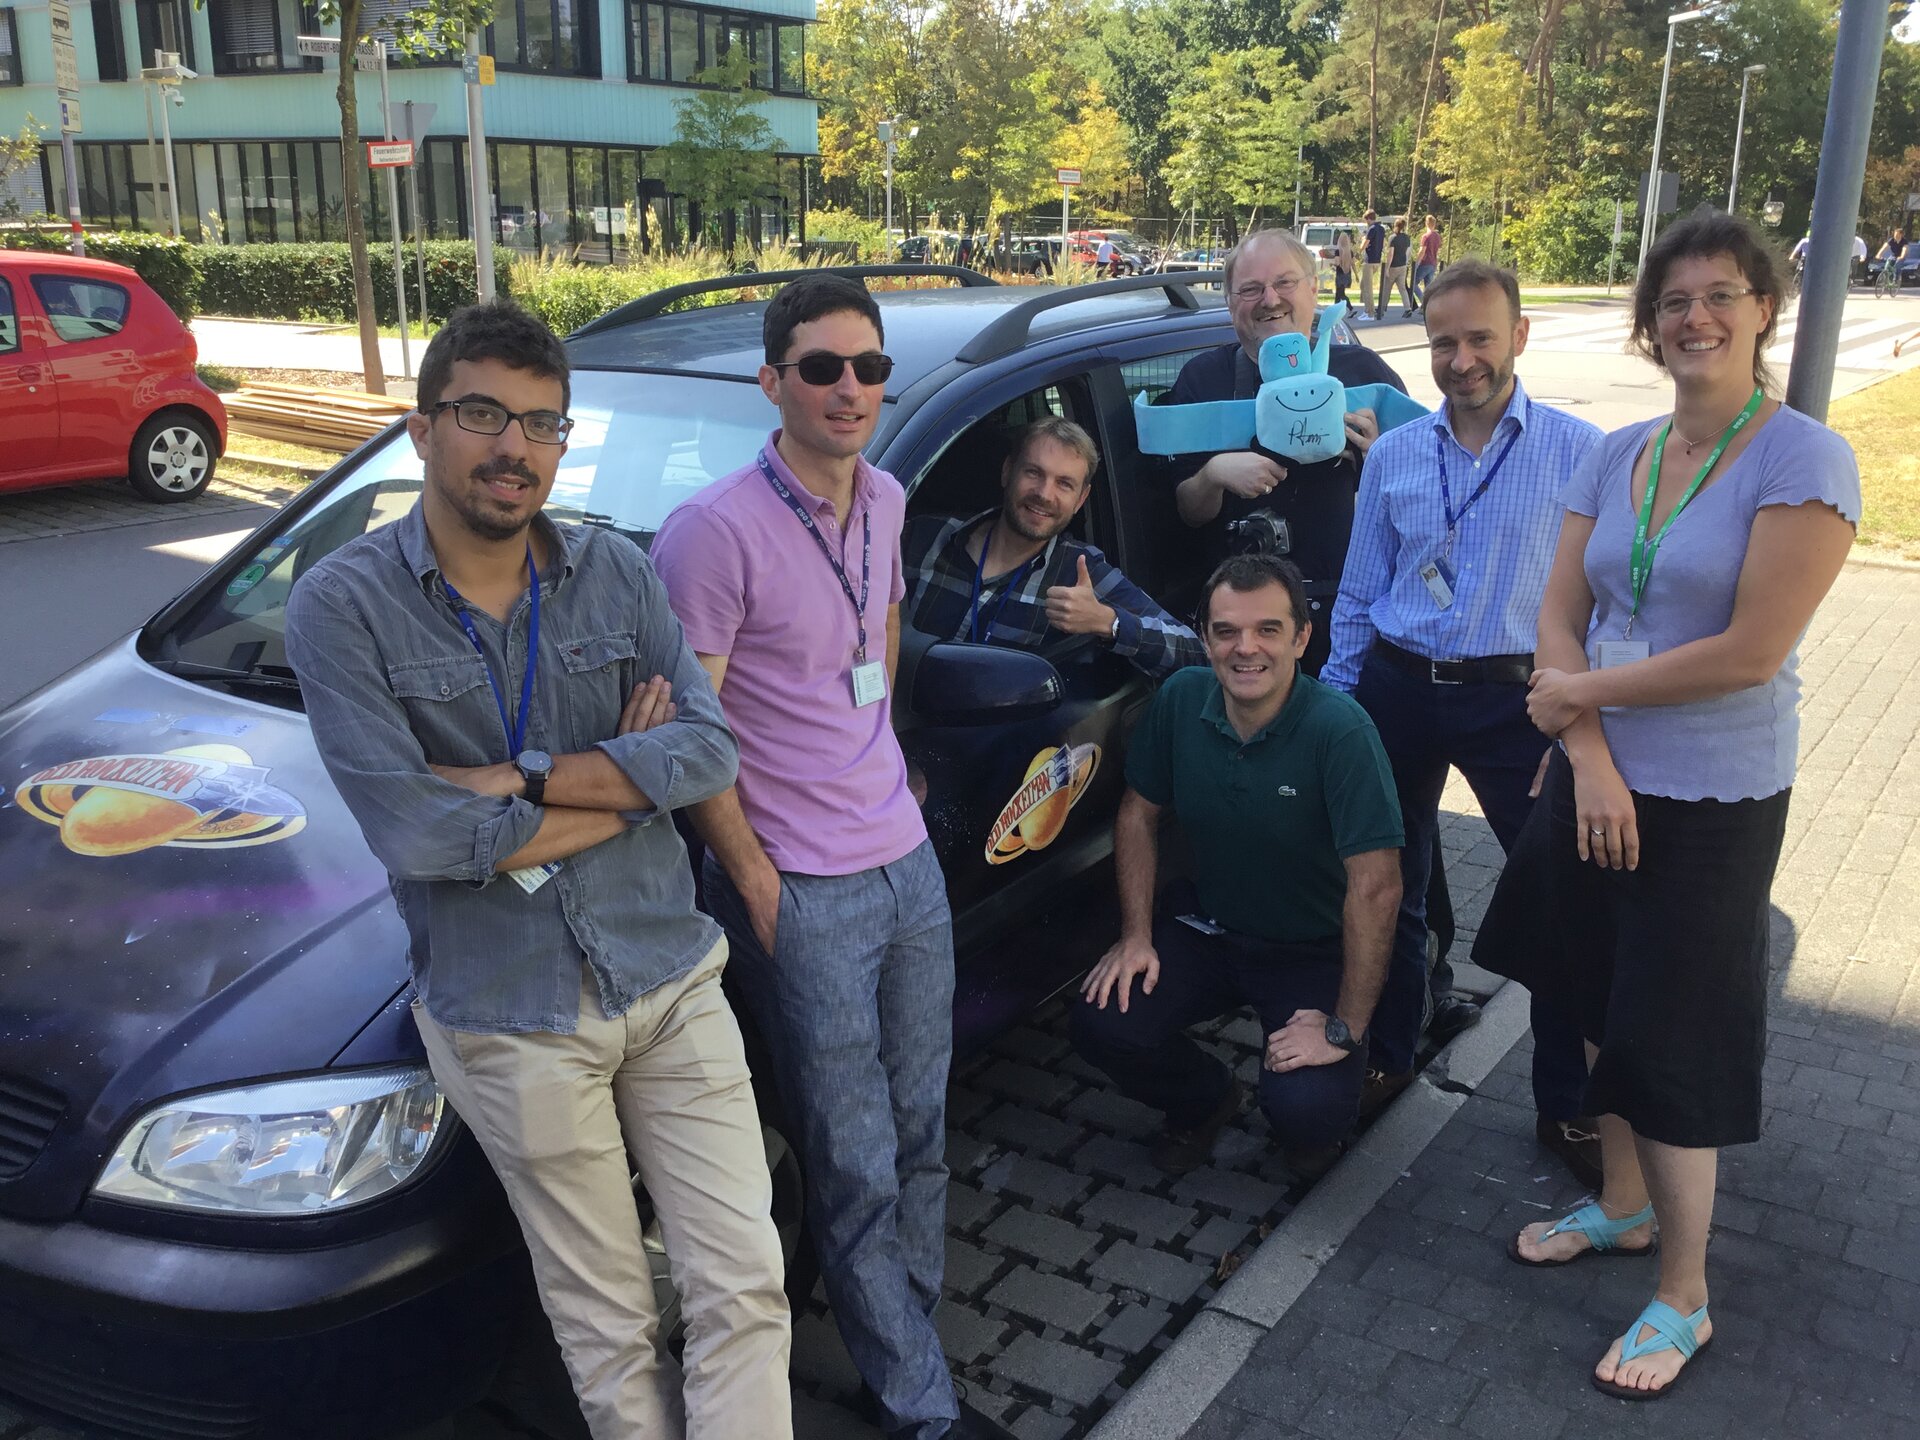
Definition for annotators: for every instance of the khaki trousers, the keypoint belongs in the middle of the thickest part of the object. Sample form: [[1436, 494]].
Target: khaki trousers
[[557, 1116], [1369, 277]]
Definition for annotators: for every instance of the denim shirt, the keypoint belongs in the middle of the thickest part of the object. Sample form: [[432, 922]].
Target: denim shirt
[[393, 684]]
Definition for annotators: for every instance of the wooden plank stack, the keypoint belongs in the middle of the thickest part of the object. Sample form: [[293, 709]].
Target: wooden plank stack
[[324, 419]]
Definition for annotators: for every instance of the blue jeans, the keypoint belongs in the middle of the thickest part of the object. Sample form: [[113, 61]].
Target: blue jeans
[[1482, 729], [1148, 1056], [1422, 278], [856, 1007]]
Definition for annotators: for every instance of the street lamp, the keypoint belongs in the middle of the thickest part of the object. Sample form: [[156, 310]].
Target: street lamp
[[1739, 127], [1651, 209], [889, 136], [167, 72]]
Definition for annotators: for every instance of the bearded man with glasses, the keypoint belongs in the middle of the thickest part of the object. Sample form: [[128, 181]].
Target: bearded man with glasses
[[787, 576]]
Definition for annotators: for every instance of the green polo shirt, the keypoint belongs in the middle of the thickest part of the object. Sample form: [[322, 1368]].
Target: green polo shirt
[[1269, 820]]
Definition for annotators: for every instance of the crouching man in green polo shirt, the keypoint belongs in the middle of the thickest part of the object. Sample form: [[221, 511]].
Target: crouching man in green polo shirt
[[1287, 801]]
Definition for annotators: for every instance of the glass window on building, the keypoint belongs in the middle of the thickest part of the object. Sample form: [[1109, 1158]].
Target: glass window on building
[[233, 206], [513, 189], [163, 26], [308, 219], [550, 193], [683, 43], [446, 188], [763, 54], [623, 184], [593, 221], [246, 36], [109, 52], [572, 37], [791, 76], [713, 38], [333, 203], [199, 191], [119, 184], [147, 202], [280, 185], [506, 33], [649, 25], [537, 52], [10, 51]]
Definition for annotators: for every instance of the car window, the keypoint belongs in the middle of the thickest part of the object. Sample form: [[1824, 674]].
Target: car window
[[964, 478], [9, 322], [641, 444], [1156, 373], [82, 309]]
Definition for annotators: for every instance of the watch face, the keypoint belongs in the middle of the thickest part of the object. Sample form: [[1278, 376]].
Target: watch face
[[1338, 1033], [534, 762]]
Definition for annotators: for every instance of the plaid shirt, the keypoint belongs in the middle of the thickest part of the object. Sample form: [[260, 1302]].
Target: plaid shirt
[[940, 598]]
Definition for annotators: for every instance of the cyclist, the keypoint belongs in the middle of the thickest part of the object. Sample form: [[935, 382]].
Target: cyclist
[[1888, 259]]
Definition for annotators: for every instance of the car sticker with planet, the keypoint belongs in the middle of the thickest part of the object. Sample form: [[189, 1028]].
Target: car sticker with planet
[[195, 798], [1034, 817]]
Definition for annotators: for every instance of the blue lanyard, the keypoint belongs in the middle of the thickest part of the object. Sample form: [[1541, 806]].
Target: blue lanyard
[[975, 632], [1446, 495], [839, 571], [516, 733]]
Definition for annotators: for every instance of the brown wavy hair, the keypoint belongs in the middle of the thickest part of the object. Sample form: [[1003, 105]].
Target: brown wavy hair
[[1707, 232]]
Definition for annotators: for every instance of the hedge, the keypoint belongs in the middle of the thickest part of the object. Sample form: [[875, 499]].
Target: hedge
[[170, 266], [567, 296], [315, 281]]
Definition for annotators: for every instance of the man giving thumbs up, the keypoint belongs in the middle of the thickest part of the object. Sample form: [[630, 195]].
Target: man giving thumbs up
[[1012, 576]]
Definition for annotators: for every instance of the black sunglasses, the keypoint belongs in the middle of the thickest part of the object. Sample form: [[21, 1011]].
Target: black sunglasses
[[823, 367]]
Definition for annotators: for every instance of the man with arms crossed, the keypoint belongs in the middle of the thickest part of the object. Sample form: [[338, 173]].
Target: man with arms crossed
[[1011, 575], [786, 574], [1434, 631], [1287, 804], [473, 673]]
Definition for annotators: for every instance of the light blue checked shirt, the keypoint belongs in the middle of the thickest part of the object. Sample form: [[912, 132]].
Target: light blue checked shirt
[[1502, 548]]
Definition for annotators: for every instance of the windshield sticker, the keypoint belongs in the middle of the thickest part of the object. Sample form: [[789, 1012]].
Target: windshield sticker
[[246, 579], [1036, 814], [199, 797]]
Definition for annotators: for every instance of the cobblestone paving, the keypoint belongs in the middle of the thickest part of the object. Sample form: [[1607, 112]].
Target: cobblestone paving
[[109, 504]]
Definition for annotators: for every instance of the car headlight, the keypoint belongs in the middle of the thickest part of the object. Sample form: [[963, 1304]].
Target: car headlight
[[292, 1147]]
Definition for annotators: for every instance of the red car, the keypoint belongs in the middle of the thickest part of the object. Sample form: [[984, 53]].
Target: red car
[[97, 380]]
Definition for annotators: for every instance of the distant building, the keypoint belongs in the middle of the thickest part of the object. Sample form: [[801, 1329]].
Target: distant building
[[585, 93]]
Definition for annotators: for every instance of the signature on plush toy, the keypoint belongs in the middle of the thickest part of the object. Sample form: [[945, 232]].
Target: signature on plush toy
[[1299, 413]]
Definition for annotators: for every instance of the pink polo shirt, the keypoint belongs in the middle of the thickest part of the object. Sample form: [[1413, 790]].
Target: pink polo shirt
[[823, 784]]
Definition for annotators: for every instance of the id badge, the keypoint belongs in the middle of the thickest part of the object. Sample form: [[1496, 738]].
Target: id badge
[[869, 684], [1622, 652], [1200, 923], [1438, 577], [531, 877]]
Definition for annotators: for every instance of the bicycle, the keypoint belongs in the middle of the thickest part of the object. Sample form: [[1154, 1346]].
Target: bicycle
[[1886, 284]]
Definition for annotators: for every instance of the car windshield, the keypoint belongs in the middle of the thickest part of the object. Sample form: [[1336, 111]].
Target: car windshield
[[641, 444]]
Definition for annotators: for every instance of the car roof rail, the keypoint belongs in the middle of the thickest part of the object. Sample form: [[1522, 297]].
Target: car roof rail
[[1009, 331], [648, 306]]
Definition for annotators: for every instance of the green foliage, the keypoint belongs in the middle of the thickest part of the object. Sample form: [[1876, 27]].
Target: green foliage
[[721, 157], [218, 379], [567, 296], [844, 226], [1563, 237], [170, 266], [17, 152], [1237, 128], [315, 281]]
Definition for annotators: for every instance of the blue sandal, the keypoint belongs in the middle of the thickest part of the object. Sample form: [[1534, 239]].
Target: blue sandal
[[1671, 1331], [1603, 1234]]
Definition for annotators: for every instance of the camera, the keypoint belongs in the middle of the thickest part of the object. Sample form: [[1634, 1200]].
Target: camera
[[1261, 533]]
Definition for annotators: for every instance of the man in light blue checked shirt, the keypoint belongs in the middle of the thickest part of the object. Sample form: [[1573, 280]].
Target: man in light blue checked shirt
[[1433, 632]]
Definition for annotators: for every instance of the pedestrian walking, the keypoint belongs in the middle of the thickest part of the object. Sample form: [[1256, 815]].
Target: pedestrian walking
[[1372, 251], [1693, 554], [1426, 261], [1342, 265], [508, 707], [1398, 245]]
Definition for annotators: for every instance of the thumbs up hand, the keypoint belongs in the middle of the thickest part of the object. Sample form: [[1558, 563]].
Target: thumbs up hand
[[1075, 610]]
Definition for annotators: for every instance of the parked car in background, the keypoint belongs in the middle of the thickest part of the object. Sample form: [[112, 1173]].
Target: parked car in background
[[97, 381], [1317, 232]]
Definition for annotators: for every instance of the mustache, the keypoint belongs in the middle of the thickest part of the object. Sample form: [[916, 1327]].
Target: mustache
[[504, 468]]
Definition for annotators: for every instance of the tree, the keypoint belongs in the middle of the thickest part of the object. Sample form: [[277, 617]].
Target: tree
[[721, 156], [17, 153], [865, 61], [1240, 116], [1479, 138]]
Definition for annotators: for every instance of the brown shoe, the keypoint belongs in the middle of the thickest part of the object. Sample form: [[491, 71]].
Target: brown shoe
[[1576, 1144], [1380, 1089], [1178, 1151], [1310, 1162]]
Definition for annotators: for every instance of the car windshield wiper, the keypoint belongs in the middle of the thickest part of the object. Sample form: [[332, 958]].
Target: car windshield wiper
[[271, 677]]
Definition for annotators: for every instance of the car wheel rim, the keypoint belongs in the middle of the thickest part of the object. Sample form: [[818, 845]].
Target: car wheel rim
[[177, 459]]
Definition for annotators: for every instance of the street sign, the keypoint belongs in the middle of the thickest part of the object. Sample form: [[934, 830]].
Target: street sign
[[410, 120], [1913, 200], [366, 55], [66, 73], [1067, 177], [1669, 192], [69, 115], [389, 154]]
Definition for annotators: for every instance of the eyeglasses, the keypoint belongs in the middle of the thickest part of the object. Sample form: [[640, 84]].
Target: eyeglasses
[[823, 367], [1252, 291], [483, 417], [1719, 300]]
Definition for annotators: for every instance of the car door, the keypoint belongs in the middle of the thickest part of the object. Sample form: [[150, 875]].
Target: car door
[[29, 399], [96, 366]]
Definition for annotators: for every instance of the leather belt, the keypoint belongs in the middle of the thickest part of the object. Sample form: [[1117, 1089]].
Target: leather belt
[[1487, 670]]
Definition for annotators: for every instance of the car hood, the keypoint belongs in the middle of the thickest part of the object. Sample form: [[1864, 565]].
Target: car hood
[[191, 906]]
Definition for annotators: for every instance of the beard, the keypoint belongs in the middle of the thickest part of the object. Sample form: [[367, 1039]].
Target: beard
[[480, 512], [1500, 377], [1017, 520]]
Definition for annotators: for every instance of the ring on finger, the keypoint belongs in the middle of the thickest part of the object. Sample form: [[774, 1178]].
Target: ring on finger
[[1596, 830]]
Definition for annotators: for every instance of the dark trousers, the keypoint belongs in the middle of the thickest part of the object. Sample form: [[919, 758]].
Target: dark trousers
[[1149, 1057], [1482, 730]]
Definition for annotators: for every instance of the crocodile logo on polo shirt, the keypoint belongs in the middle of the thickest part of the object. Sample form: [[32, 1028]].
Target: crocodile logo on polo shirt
[[1288, 790]]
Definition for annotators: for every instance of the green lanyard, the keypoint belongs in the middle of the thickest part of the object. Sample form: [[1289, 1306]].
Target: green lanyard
[[1644, 550]]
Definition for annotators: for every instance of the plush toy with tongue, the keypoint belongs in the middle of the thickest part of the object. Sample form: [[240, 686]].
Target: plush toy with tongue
[[1298, 415]]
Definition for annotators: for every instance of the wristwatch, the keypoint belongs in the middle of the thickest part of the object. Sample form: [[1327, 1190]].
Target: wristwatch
[[1339, 1036], [1113, 633], [534, 767]]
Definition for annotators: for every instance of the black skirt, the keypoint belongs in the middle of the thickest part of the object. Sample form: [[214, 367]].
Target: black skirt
[[1664, 967]]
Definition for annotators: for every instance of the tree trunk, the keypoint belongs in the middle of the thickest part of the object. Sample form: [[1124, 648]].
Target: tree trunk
[[370, 362], [1426, 98], [1373, 103]]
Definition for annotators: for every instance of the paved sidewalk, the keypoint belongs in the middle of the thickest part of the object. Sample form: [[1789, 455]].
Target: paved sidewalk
[[1416, 1325]]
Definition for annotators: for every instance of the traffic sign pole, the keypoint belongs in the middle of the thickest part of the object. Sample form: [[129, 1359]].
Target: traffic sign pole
[[1068, 178], [417, 118], [393, 222], [480, 206], [66, 79]]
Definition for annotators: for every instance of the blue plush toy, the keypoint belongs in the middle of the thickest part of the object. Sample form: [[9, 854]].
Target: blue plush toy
[[1299, 414]]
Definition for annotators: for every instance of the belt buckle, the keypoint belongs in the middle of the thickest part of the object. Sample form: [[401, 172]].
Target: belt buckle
[[1433, 673]]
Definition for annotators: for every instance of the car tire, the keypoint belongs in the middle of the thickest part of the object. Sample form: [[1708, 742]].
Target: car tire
[[172, 458]]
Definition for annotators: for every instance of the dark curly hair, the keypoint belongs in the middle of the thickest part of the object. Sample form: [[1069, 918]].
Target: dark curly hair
[[1707, 232], [493, 330], [809, 298], [1255, 572]]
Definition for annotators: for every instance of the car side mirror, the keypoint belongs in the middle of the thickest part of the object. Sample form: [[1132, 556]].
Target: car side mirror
[[960, 684]]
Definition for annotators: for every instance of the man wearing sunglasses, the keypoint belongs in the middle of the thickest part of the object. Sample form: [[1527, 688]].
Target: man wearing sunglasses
[[509, 709], [786, 574]]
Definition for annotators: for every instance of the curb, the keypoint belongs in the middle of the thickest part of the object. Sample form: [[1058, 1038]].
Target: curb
[[1208, 1353]]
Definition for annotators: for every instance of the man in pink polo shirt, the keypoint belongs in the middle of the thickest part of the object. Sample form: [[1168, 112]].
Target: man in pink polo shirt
[[786, 576]]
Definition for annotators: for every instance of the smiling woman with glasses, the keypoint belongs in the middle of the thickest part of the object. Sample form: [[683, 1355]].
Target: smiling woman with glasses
[[1693, 553]]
